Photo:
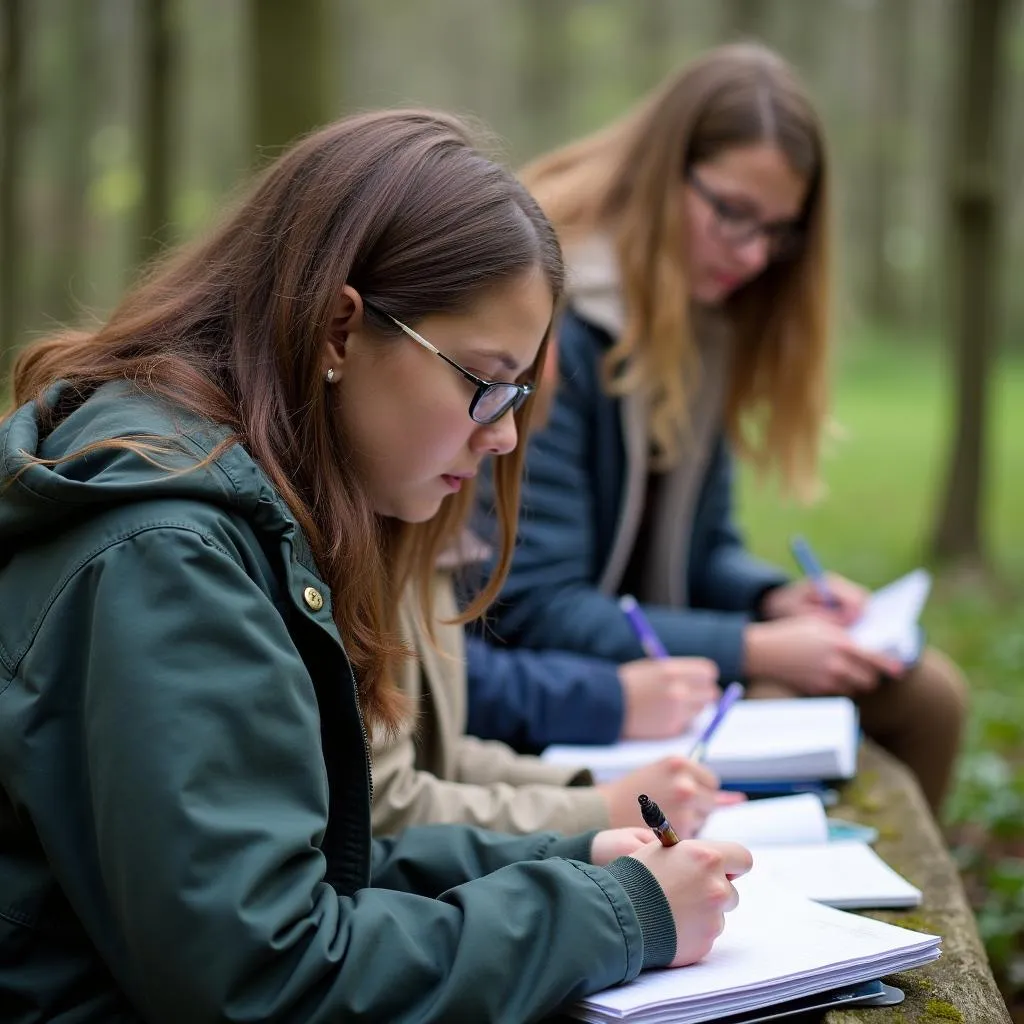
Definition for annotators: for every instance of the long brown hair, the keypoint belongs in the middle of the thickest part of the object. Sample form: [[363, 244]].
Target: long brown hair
[[625, 180], [403, 208]]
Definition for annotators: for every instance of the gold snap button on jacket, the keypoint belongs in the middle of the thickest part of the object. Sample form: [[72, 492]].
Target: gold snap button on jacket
[[313, 598]]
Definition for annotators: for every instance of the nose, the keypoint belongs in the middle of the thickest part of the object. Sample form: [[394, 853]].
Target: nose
[[754, 254], [498, 438]]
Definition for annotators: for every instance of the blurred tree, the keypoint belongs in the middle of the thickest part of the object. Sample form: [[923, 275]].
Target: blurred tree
[[544, 69], [156, 109], [289, 71], [11, 125], [744, 19], [973, 272], [655, 48], [77, 98], [806, 32], [891, 87]]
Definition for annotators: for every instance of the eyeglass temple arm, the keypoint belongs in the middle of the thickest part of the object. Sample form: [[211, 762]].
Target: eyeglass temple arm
[[412, 334]]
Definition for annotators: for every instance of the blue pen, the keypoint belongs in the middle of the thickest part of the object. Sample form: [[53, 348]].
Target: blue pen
[[812, 569], [652, 646], [730, 695]]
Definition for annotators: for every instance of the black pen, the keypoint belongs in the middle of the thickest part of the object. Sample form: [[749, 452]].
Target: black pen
[[656, 821]]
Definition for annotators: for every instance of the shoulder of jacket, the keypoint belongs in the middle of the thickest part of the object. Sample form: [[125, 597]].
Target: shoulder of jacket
[[41, 576]]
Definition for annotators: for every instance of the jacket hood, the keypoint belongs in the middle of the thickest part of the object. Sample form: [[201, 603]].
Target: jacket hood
[[39, 498]]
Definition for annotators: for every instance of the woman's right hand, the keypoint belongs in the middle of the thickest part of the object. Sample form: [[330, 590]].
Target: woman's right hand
[[685, 791], [815, 656], [696, 878], [662, 696]]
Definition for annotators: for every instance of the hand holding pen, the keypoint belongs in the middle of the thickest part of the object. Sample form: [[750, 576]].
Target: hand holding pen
[[696, 878], [661, 695], [819, 593]]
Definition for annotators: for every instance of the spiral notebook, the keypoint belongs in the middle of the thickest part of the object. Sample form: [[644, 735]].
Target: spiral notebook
[[776, 947], [797, 740]]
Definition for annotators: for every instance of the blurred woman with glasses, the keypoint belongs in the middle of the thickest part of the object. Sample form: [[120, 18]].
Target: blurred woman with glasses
[[696, 233]]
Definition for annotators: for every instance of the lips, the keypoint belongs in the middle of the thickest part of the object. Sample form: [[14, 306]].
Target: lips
[[724, 280], [455, 480]]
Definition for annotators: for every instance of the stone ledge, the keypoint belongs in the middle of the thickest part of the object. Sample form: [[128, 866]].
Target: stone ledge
[[959, 986]]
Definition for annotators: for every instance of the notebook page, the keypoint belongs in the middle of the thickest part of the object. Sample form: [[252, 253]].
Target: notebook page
[[784, 819], [889, 621], [765, 730], [820, 942], [754, 736], [847, 875]]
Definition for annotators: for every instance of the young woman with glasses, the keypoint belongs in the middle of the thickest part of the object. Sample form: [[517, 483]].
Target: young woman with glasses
[[697, 242], [208, 508]]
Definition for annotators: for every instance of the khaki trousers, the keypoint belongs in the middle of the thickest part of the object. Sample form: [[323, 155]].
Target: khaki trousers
[[918, 718]]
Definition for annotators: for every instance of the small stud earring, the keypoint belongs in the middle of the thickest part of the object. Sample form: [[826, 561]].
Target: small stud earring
[[330, 375]]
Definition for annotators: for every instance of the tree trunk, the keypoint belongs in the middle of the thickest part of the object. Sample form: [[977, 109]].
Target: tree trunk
[[158, 51], [973, 269], [655, 48], [77, 101], [807, 35], [891, 82], [289, 71], [11, 251], [544, 70], [744, 19]]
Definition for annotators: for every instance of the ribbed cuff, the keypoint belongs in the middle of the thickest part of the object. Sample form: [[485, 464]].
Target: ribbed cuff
[[652, 910], [573, 847]]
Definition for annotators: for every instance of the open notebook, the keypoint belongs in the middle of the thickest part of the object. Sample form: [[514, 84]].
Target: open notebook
[[789, 839], [796, 740], [889, 623], [776, 946]]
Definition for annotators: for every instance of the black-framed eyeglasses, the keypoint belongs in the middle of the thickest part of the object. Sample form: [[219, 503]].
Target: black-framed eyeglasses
[[737, 226], [492, 399]]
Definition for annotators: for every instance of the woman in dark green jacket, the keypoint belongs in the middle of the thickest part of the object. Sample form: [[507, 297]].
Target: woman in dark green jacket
[[207, 508]]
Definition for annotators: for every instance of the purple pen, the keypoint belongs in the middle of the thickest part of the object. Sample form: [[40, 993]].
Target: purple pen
[[730, 695], [652, 646]]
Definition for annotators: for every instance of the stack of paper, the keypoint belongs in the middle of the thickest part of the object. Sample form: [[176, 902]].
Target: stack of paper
[[796, 740], [788, 837], [889, 623], [775, 947]]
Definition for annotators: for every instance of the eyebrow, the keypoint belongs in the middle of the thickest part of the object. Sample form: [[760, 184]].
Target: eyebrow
[[502, 357], [740, 198]]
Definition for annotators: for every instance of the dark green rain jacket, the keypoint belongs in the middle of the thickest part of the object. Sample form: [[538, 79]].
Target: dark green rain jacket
[[185, 785]]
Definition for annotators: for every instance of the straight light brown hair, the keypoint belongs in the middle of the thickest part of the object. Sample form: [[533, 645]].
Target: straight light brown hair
[[400, 206], [627, 181]]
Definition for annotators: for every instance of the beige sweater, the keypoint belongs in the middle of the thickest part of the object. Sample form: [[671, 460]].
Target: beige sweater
[[433, 772]]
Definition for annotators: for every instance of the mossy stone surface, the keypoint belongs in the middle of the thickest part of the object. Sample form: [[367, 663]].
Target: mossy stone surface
[[960, 985]]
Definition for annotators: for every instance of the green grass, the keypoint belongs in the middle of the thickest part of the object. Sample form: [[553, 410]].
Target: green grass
[[884, 469], [884, 475]]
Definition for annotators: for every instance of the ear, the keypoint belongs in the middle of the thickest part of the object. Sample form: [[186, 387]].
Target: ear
[[346, 319]]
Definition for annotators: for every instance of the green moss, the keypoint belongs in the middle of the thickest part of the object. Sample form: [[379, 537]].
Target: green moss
[[861, 793], [915, 922], [895, 1015], [937, 1009]]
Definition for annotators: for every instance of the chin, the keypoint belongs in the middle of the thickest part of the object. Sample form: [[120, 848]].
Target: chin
[[710, 295], [415, 511]]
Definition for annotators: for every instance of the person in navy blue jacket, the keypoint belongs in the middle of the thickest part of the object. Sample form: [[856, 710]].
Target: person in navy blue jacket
[[695, 231]]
